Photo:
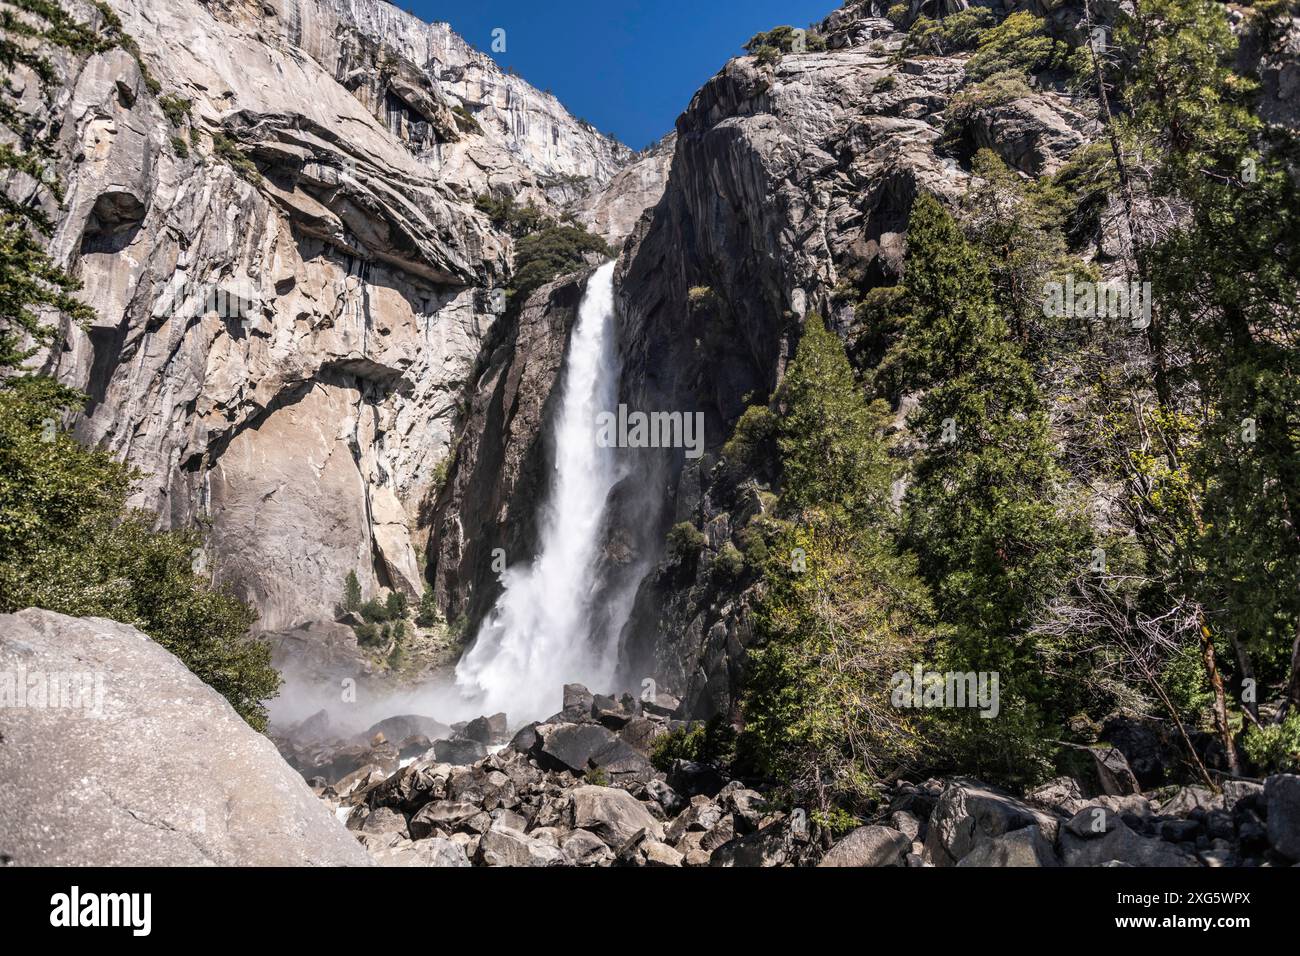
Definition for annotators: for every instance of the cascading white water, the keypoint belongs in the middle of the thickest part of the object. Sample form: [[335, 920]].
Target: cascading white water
[[538, 638]]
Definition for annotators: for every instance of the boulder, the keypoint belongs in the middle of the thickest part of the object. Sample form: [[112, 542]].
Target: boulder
[[1062, 794], [613, 815], [487, 730], [1282, 796], [570, 746], [459, 752], [869, 846], [640, 733], [1121, 845], [1147, 744], [441, 814], [1188, 799], [1025, 847], [770, 846], [1113, 772], [405, 726], [504, 846], [655, 853], [525, 739], [584, 848], [433, 852], [155, 769], [969, 812]]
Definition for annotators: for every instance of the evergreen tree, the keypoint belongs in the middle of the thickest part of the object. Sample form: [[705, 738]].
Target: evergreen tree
[[982, 513], [351, 592], [841, 610]]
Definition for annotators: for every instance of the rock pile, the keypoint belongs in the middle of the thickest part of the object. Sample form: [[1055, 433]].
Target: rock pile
[[579, 789]]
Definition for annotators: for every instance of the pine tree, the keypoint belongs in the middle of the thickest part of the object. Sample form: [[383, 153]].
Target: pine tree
[[351, 592], [841, 610], [982, 513]]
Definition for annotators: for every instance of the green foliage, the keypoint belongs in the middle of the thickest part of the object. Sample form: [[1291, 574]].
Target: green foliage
[[956, 32], [175, 108], [711, 741], [428, 614], [1018, 44], [466, 122], [783, 39], [831, 628], [68, 543], [229, 152], [351, 592], [596, 777], [1017, 224], [180, 147], [505, 213], [1275, 748], [830, 454], [685, 542], [752, 445], [983, 512], [374, 611], [898, 14], [996, 90], [729, 564], [396, 605], [550, 252]]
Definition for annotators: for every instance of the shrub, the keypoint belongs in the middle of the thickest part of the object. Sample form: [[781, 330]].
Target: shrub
[[729, 564], [428, 615], [396, 605], [711, 741], [375, 611], [898, 14], [955, 32], [548, 253], [1019, 44], [175, 108], [782, 39], [1276, 747], [229, 153], [68, 543], [751, 444], [685, 541]]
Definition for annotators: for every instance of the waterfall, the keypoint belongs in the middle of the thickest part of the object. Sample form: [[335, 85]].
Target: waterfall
[[538, 638]]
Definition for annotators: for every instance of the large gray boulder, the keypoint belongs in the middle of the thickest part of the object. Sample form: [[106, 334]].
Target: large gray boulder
[[613, 815], [1025, 847], [869, 846], [1121, 845], [156, 769], [969, 813], [571, 746]]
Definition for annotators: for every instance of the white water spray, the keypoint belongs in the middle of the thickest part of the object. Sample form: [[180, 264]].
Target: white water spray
[[538, 638]]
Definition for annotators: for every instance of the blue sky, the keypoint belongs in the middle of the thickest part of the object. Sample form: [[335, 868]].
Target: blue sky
[[627, 66]]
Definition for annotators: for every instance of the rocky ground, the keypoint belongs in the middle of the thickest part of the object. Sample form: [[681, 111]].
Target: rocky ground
[[579, 789]]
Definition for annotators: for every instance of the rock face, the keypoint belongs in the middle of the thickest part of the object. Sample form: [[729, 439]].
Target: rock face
[[498, 477], [292, 284], [613, 210], [156, 770], [789, 183]]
